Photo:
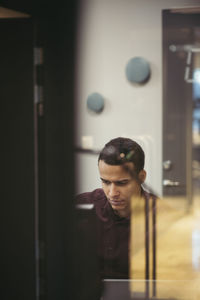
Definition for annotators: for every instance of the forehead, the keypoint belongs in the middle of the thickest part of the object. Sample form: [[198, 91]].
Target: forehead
[[116, 172]]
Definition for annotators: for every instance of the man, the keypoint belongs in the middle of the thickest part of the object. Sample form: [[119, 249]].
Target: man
[[121, 169]]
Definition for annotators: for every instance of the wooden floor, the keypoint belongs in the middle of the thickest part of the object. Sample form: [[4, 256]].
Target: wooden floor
[[178, 250]]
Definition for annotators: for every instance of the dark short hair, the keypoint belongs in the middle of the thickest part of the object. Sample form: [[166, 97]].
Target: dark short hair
[[121, 150]]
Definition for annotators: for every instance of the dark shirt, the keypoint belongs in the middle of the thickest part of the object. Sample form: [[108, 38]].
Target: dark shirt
[[113, 234]]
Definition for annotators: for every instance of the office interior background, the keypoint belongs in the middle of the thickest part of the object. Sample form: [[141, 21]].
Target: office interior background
[[53, 139]]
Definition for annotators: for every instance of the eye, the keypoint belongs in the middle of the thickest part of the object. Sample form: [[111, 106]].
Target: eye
[[121, 183], [105, 181]]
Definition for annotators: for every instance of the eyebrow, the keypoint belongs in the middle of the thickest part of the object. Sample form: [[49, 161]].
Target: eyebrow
[[115, 181]]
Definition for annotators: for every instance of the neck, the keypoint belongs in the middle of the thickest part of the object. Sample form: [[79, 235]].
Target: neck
[[123, 214]]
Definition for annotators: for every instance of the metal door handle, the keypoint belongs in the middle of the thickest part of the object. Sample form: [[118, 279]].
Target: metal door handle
[[167, 165], [168, 182]]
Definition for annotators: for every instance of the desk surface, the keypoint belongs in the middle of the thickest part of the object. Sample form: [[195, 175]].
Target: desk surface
[[158, 290]]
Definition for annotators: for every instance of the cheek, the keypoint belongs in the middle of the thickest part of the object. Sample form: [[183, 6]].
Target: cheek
[[105, 189], [133, 190]]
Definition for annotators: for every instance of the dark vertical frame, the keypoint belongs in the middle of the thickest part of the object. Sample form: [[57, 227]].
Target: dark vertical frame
[[59, 31], [154, 244], [150, 218], [56, 26], [17, 228], [147, 247]]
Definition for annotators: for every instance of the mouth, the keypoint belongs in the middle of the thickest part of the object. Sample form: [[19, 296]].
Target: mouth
[[117, 202]]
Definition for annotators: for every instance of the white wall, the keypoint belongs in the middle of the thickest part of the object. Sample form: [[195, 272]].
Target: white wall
[[110, 33]]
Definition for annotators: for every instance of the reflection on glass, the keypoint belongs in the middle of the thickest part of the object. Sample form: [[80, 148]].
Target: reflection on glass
[[177, 228], [164, 240]]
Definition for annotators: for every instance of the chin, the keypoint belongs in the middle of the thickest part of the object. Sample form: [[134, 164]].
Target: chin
[[118, 207]]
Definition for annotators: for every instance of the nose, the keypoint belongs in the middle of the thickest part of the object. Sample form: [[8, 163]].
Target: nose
[[113, 191]]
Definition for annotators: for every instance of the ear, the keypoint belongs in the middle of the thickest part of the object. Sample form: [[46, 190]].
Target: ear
[[142, 176]]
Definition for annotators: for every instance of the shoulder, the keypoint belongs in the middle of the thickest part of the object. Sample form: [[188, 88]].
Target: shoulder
[[90, 197]]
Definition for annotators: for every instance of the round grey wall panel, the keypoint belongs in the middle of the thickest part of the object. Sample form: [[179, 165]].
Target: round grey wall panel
[[95, 102], [138, 70]]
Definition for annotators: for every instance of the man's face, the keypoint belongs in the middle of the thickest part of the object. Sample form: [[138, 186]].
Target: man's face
[[120, 185]]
